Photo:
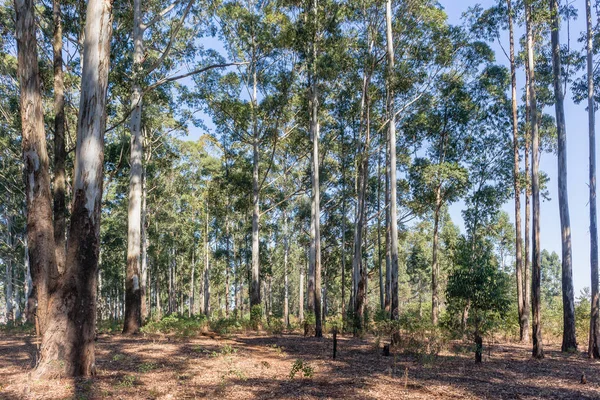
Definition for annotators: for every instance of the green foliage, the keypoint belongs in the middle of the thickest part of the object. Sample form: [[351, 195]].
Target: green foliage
[[275, 326], [478, 284], [256, 316], [301, 366], [147, 367], [176, 324]]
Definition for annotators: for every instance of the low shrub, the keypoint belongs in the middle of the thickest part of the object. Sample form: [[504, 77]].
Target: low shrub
[[177, 324]]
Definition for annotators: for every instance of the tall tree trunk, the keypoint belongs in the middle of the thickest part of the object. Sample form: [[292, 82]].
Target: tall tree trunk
[[388, 259], [392, 171], [227, 257], [192, 282], [315, 237], [9, 270], [527, 269], [40, 230], [286, 250], [379, 257], [60, 153], [206, 269], [594, 337], [359, 267], [144, 258], [538, 346], [435, 265], [255, 299], [516, 175], [133, 316], [67, 347], [569, 341], [343, 249], [301, 294]]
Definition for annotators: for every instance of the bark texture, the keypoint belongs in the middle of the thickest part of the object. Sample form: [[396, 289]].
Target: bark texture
[[133, 298], [67, 347], [569, 341], [538, 346], [594, 337]]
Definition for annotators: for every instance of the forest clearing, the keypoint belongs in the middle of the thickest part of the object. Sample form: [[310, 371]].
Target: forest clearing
[[258, 366], [345, 199]]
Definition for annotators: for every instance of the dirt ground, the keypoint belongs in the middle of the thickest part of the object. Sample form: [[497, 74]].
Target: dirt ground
[[251, 366]]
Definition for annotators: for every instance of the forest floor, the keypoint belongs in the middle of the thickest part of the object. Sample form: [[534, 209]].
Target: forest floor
[[254, 366]]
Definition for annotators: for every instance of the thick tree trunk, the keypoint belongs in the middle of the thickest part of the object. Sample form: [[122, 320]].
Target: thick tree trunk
[[392, 171], [133, 316], [40, 230], [144, 258], [538, 346], [60, 153], [67, 347], [569, 341], [516, 176], [594, 337]]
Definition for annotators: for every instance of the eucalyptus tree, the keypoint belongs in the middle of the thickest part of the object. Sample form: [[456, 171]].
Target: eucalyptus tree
[[253, 35], [67, 325], [151, 68], [537, 351], [594, 336], [569, 341]]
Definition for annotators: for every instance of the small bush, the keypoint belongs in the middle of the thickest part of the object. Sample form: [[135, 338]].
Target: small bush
[[127, 381], [224, 326], [147, 367], [256, 317], [300, 365], [176, 324], [275, 326]]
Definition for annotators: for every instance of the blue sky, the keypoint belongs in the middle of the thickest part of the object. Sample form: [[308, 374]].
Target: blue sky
[[577, 133]]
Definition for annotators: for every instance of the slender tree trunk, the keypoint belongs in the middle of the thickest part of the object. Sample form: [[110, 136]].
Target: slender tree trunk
[[192, 281], [569, 342], [527, 269], [9, 270], [388, 259], [206, 270], [594, 338], [359, 267], [379, 257], [133, 316], [516, 175], [227, 257], [286, 306], [538, 346], [314, 283], [435, 265], [301, 294], [67, 347], [392, 171], [255, 299], [60, 153], [343, 249]]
